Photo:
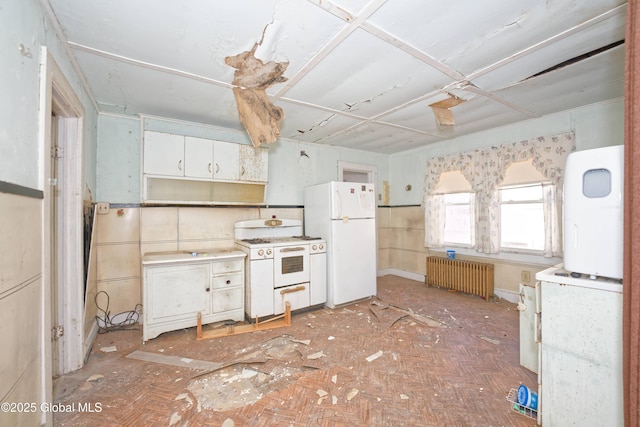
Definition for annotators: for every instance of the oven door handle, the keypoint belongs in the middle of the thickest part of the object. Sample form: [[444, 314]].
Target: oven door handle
[[296, 249], [291, 290]]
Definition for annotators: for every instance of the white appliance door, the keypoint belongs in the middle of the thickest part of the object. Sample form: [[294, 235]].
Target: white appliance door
[[352, 267], [352, 200], [528, 345]]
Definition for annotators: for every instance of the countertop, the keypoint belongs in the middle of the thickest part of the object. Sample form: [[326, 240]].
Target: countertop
[[188, 256], [557, 273]]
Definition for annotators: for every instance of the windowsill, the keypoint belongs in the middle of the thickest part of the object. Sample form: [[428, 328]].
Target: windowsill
[[503, 256]]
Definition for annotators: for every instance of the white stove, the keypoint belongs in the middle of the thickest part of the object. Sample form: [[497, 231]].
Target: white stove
[[282, 265]]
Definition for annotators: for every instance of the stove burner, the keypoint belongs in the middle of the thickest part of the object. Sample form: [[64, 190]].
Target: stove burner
[[307, 238], [256, 241]]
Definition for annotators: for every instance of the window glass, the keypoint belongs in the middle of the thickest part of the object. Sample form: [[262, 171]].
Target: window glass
[[522, 218], [458, 214]]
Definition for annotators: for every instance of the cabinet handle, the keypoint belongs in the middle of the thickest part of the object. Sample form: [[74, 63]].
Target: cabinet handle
[[228, 281], [242, 173], [208, 289], [209, 167], [179, 165], [217, 168]]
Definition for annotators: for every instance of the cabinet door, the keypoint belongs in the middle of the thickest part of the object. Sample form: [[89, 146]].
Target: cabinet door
[[254, 163], [198, 157], [176, 292], [163, 154], [226, 156]]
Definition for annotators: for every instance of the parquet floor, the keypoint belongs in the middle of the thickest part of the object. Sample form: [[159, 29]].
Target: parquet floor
[[412, 356]]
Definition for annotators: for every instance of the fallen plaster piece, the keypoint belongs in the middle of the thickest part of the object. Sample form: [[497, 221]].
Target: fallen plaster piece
[[94, 378], [491, 340], [316, 355], [175, 418], [374, 356], [334, 379], [252, 77], [228, 423], [184, 396], [352, 393], [109, 349], [182, 362], [305, 342], [404, 397], [334, 399], [442, 112], [321, 392]]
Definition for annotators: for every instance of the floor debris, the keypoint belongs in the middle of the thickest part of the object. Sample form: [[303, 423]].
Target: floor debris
[[182, 362], [109, 349], [94, 378], [491, 340], [316, 355], [374, 356]]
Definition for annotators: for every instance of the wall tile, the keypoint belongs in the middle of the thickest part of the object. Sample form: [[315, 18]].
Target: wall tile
[[158, 224], [119, 225], [21, 242], [118, 261], [123, 295]]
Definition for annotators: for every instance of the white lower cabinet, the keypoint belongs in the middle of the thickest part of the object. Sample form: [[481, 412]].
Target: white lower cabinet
[[178, 286]]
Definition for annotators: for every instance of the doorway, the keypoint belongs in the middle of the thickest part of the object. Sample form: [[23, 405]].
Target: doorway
[[61, 129], [356, 172]]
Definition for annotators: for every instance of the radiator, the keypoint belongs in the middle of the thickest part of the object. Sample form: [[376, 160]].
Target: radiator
[[465, 276]]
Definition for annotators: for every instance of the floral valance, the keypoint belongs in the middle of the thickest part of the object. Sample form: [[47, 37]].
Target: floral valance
[[485, 169]]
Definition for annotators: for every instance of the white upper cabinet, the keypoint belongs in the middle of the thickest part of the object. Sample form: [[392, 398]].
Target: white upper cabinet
[[254, 163], [185, 169], [198, 157], [163, 154], [226, 156]]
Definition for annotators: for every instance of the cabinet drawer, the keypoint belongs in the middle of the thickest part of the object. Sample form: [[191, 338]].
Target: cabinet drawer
[[227, 300], [228, 281], [226, 266]]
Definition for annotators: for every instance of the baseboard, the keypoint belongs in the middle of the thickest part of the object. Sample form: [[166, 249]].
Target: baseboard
[[89, 340], [406, 274], [510, 296]]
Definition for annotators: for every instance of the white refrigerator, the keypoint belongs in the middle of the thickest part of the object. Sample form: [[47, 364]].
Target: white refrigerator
[[344, 214]]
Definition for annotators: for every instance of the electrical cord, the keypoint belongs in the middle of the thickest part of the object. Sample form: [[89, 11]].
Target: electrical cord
[[120, 321]]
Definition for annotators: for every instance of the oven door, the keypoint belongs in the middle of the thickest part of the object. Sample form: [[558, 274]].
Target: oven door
[[290, 265]]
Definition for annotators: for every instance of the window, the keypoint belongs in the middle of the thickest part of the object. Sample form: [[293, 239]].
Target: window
[[522, 218], [458, 219]]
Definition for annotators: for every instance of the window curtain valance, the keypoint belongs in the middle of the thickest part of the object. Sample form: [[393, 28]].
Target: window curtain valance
[[485, 170]]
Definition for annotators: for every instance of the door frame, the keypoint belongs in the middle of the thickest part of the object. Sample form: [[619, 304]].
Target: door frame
[[57, 94], [370, 171]]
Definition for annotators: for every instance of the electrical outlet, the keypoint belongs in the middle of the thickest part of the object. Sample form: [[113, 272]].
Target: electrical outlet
[[525, 276], [103, 208]]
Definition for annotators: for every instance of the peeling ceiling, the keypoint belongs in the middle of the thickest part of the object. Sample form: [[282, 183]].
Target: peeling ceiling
[[361, 74]]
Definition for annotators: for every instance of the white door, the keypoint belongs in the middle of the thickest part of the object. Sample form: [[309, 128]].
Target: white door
[[198, 157], [163, 154], [528, 345], [226, 157]]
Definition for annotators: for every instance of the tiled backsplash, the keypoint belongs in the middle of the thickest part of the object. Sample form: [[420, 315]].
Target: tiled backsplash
[[124, 235]]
